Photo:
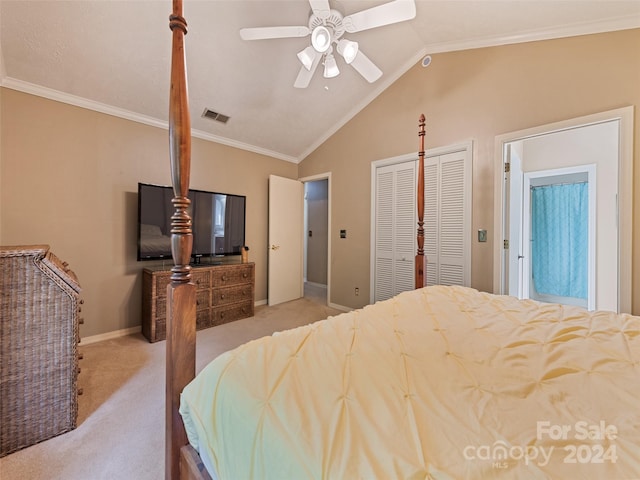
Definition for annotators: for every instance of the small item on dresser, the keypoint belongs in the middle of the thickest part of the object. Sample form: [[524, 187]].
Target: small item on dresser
[[244, 252]]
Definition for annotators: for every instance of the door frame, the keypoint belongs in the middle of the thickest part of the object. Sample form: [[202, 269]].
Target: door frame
[[323, 176], [625, 194]]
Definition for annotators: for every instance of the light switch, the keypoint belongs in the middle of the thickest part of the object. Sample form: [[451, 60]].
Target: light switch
[[482, 235]]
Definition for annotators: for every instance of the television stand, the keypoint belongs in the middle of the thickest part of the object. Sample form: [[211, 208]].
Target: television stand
[[224, 293]]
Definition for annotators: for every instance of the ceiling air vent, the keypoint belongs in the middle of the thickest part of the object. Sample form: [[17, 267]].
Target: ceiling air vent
[[219, 117]]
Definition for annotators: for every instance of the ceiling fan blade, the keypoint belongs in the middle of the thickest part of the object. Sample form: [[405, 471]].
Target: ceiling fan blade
[[265, 33], [385, 14], [320, 8], [366, 67], [304, 75]]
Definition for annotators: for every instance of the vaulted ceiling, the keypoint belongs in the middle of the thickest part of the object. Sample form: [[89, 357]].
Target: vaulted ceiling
[[113, 56]]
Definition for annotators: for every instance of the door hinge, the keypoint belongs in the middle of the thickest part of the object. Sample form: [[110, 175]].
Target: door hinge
[[505, 244], [507, 167]]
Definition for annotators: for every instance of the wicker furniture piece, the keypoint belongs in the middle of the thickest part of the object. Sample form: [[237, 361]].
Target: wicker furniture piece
[[39, 309], [224, 293]]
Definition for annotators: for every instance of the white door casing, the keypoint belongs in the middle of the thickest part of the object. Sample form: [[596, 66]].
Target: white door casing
[[564, 144], [285, 249]]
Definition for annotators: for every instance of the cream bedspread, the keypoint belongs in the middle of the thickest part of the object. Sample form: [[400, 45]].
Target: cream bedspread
[[441, 382]]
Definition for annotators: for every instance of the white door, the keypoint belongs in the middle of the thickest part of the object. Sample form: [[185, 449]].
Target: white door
[[286, 223], [395, 229], [447, 218]]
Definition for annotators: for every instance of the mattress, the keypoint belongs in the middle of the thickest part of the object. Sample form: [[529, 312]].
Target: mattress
[[439, 383]]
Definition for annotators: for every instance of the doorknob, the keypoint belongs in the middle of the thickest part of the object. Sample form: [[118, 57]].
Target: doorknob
[[275, 247]]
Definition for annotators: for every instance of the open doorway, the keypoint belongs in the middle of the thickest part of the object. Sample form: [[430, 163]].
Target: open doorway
[[588, 160], [316, 238]]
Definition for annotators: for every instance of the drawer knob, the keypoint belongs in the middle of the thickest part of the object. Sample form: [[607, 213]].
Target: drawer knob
[[222, 296], [224, 278], [80, 391], [81, 321], [221, 314], [244, 275]]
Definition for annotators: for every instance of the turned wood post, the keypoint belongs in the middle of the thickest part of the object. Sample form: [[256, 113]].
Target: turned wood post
[[181, 293], [420, 265]]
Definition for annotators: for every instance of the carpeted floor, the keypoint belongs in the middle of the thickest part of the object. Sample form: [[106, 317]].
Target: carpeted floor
[[120, 433]]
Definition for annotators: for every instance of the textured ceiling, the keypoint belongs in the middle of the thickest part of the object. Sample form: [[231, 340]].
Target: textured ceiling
[[114, 55]]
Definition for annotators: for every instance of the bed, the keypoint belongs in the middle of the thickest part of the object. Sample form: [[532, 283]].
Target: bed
[[440, 382]]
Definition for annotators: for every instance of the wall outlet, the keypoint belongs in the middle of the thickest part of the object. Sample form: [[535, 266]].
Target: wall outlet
[[357, 291]]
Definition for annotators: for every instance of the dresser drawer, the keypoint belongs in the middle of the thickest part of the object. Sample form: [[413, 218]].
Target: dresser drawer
[[203, 319], [226, 295], [161, 330], [232, 312], [234, 275], [161, 307], [203, 299], [162, 282], [200, 278]]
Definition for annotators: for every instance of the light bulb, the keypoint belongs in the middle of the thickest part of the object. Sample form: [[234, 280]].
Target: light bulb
[[321, 38]]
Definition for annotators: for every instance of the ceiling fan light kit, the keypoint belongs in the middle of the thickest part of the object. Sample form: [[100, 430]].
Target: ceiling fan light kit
[[347, 49], [321, 38], [326, 27], [330, 66], [307, 56]]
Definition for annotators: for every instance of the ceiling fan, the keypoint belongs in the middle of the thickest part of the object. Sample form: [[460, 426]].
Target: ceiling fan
[[327, 27]]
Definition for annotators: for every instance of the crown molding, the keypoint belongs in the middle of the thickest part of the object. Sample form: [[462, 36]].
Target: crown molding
[[62, 97], [586, 28], [573, 30], [564, 31]]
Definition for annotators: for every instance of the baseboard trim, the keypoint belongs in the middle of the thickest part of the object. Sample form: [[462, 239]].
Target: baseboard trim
[[110, 335], [133, 330], [340, 307]]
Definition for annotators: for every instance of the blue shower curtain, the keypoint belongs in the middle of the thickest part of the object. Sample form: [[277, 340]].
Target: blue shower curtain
[[560, 241]]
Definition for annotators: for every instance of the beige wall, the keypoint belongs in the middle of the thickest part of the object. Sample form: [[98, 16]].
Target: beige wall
[[473, 95], [68, 178]]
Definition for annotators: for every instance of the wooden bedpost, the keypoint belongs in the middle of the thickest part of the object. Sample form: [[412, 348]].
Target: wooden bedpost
[[420, 265], [181, 294]]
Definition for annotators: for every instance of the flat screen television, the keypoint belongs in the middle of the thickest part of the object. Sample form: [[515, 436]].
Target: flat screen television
[[218, 222]]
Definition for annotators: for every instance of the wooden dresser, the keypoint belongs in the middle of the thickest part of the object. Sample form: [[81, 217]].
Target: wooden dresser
[[224, 293]]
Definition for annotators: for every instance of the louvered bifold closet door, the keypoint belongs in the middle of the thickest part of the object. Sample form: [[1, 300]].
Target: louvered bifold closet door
[[447, 220], [395, 223]]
